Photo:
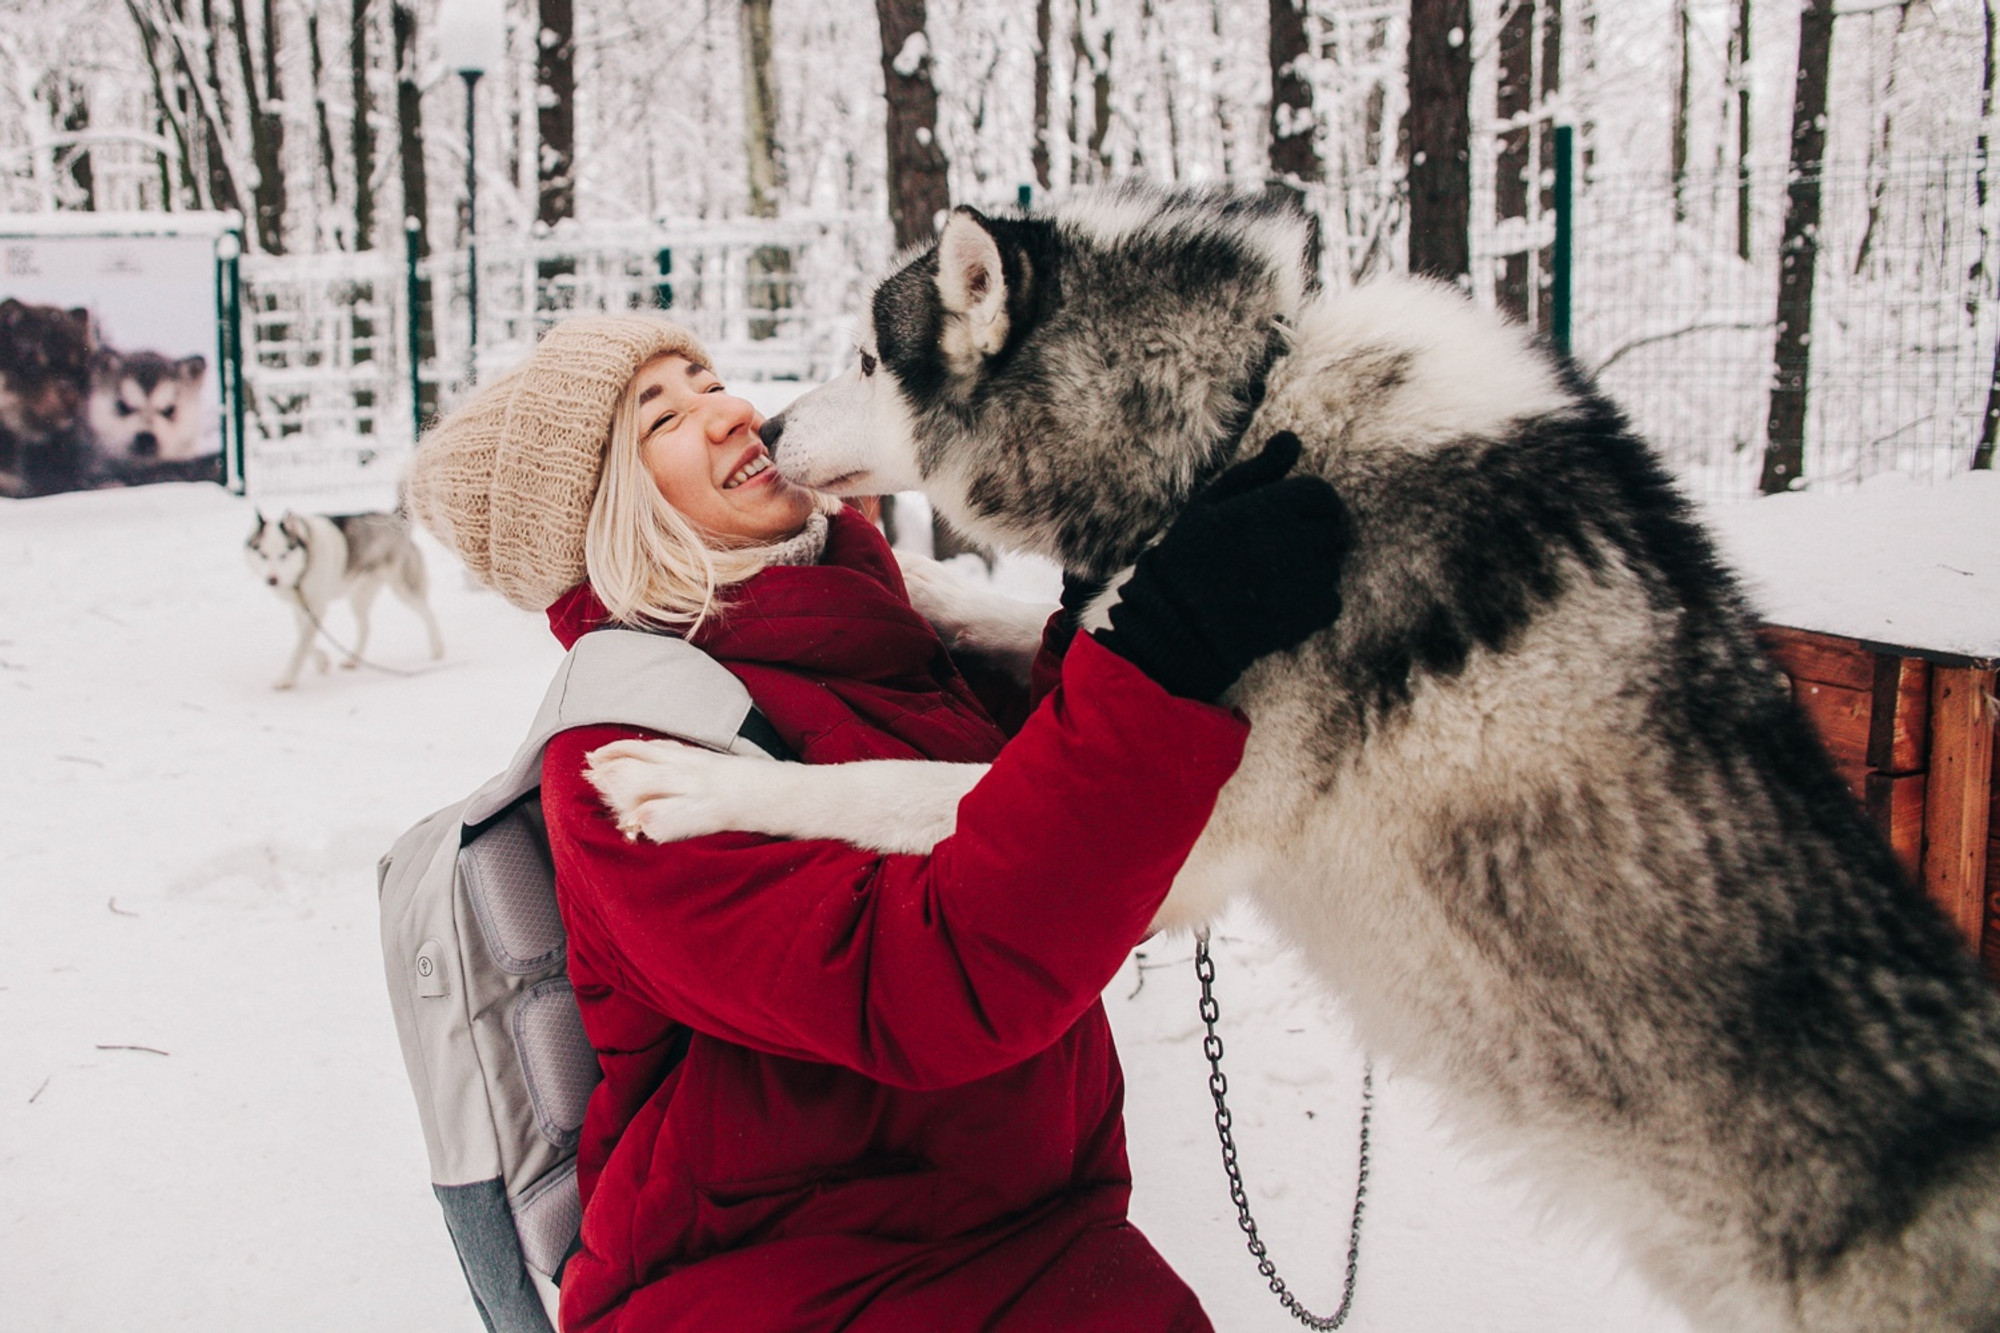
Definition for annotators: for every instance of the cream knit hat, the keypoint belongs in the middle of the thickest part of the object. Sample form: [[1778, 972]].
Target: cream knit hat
[[506, 481]]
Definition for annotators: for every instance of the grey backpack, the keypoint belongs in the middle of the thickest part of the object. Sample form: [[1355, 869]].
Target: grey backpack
[[474, 950]]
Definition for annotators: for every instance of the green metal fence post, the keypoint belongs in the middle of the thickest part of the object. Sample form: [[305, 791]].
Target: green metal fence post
[[229, 319], [413, 330], [1560, 289], [225, 255], [663, 290]]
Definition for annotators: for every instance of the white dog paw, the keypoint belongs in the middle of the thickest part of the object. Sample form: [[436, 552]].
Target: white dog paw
[[938, 595], [662, 790]]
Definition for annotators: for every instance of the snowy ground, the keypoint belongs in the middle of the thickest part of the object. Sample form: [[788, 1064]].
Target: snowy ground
[[186, 858]]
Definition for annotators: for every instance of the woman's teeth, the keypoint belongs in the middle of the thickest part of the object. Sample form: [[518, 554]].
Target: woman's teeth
[[747, 471]]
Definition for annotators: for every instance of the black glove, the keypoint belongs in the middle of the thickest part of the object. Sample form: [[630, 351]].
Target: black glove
[[1251, 566], [1078, 592]]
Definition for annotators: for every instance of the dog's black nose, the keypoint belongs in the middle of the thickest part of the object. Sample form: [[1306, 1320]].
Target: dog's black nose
[[145, 444], [771, 430]]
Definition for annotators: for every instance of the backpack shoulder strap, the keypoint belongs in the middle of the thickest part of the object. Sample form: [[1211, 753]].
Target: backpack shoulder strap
[[655, 681]]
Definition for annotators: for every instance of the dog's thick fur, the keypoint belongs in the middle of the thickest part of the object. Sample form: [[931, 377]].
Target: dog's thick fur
[[1536, 807], [312, 561]]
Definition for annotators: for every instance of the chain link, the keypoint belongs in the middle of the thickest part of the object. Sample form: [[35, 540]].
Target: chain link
[[1218, 1088]]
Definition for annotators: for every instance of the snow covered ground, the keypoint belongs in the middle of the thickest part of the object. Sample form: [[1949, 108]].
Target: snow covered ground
[[204, 1122]]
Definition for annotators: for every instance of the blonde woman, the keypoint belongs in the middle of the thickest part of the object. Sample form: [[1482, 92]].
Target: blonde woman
[[842, 1089]]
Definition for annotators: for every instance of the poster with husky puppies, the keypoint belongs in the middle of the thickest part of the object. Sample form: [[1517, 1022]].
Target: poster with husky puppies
[[107, 359]]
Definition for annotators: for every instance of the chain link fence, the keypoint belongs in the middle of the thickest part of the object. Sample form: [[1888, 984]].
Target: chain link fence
[[1676, 311], [1673, 305]]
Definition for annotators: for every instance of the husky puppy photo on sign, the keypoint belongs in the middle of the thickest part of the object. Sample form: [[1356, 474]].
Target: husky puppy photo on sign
[[1536, 809], [312, 561], [45, 444], [146, 416]]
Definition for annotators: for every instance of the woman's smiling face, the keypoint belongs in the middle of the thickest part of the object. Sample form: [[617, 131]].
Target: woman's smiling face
[[701, 447]]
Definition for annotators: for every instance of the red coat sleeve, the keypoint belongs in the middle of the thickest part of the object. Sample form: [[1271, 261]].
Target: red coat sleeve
[[917, 971]]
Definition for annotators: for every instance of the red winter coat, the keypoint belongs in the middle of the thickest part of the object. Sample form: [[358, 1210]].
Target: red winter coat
[[900, 1108]]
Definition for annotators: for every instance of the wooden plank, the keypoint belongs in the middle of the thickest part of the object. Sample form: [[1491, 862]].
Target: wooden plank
[[1840, 716], [1824, 658], [1958, 797], [1896, 804], [1990, 951], [1899, 721]]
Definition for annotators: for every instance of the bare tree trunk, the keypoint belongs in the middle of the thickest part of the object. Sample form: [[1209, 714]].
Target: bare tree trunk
[[1513, 100], [1739, 74], [1038, 152], [1548, 84], [1439, 138], [1989, 426], [361, 130], [267, 128], [416, 192], [1100, 106], [1879, 146], [1095, 57], [1294, 125], [1798, 255], [69, 112], [1683, 92], [918, 188], [222, 180], [555, 112], [770, 267], [171, 108], [760, 109], [327, 163], [410, 123]]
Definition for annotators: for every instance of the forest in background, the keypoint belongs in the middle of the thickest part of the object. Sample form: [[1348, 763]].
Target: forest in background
[[1420, 130], [327, 121]]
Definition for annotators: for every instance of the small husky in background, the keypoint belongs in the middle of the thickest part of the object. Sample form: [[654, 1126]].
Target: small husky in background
[[146, 408], [1536, 807], [315, 560]]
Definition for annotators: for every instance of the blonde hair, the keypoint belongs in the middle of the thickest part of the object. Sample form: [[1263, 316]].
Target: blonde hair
[[650, 566]]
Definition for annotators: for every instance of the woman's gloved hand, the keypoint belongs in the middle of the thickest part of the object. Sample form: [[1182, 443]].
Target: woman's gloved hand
[[1251, 566]]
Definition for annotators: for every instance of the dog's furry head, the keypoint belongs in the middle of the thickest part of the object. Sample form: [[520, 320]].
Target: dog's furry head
[[146, 406], [44, 369], [277, 550], [1132, 328]]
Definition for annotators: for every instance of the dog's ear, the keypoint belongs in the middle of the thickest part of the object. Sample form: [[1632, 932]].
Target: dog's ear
[[293, 526], [190, 369], [972, 285]]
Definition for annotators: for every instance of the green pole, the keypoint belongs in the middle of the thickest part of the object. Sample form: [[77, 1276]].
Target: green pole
[[413, 334], [1560, 290], [236, 408], [1024, 195], [231, 477]]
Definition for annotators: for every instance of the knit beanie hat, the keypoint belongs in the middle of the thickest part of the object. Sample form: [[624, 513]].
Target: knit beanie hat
[[506, 480]]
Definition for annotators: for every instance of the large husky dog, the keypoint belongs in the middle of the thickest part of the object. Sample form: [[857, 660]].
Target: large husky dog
[[1535, 807], [315, 560]]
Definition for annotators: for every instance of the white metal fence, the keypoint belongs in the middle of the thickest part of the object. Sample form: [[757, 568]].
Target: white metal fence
[[334, 383]]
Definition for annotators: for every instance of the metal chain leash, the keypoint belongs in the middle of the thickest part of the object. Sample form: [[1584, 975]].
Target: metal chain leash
[[1218, 1088], [344, 651]]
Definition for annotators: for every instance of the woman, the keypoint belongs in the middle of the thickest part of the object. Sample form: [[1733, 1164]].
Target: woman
[[842, 1089]]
